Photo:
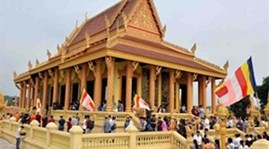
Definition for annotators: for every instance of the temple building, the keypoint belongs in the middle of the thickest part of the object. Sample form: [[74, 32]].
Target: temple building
[[116, 54]]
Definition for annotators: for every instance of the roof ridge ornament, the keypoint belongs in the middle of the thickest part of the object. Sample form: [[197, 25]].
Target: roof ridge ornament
[[193, 49], [58, 48], [14, 74], [48, 54], [125, 20], [30, 66], [88, 38], [226, 66], [76, 24], [37, 62], [86, 16], [107, 26], [164, 30]]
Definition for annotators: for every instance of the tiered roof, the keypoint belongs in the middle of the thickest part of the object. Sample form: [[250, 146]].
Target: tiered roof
[[130, 28]]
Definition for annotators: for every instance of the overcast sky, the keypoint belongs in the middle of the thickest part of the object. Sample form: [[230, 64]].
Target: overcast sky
[[223, 30]]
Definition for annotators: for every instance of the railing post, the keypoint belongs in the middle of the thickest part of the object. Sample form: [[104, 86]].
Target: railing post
[[189, 136], [33, 124], [50, 127], [132, 130], [76, 137], [11, 120]]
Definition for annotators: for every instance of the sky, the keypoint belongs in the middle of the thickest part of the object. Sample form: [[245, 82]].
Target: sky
[[222, 29]]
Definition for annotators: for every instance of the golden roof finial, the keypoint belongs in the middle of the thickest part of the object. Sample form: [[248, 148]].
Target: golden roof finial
[[88, 38], [164, 29], [14, 74], [37, 62], [86, 16], [58, 48], [30, 66], [125, 20], [76, 24], [226, 66], [48, 54], [193, 49]]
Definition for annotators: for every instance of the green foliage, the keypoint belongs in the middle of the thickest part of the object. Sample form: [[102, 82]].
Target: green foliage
[[240, 108], [263, 91]]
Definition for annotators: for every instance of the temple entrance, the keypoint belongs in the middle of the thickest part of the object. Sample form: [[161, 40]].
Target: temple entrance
[[90, 88], [183, 95], [50, 96], [74, 92], [62, 95], [104, 90], [123, 90]]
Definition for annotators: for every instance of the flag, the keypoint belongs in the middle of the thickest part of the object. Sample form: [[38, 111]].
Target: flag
[[87, 101], [239, 85], [140, 103]]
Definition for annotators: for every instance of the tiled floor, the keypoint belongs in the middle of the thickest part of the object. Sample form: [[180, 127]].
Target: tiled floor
[[6, 145]]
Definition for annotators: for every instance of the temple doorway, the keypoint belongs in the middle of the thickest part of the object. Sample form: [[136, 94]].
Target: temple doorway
[[123, 90], [90, 88], [62, 95], [50, 96], [74, 92], [104, 90], [183, 95]]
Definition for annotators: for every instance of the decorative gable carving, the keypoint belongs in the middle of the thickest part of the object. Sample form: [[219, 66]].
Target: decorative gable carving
[[144, 19]]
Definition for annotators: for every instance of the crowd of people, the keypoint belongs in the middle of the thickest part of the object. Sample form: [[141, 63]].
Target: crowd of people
[[200, 123]]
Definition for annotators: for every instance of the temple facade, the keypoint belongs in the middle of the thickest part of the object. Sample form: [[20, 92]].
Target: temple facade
[[115, 55]]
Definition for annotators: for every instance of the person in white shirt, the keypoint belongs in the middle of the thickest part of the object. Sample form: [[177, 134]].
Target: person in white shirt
[[236, 141], [85, 124], [74, 121], [19, 134], [198, 138], [206, 124], [230, 144], [230, 123]]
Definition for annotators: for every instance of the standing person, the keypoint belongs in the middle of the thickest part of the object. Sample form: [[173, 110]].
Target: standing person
[[61, 123], [51, 119], [153, 122], [183, 109], [107, 126], [113, 124], [69, 125], [198, 138], [159, 124], [85, 124], [127, 122], [38, 117], [19, 134], [164, 125], [230, 144], [236, 141], [120, 106], [74, 121], [143, 124], [44, 121], [207, 144]]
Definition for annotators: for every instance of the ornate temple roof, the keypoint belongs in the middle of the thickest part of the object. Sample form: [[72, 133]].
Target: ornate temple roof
[[128, 27]]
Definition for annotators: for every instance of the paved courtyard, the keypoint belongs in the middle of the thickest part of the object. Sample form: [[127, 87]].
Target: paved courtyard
[[6, 145]]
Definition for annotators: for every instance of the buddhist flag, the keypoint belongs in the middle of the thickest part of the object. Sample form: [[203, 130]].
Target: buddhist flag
[[140, 103], [87, 101], [238, 86]]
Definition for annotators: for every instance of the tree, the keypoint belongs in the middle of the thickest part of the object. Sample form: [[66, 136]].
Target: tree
[[263, 92], [240, 108]]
